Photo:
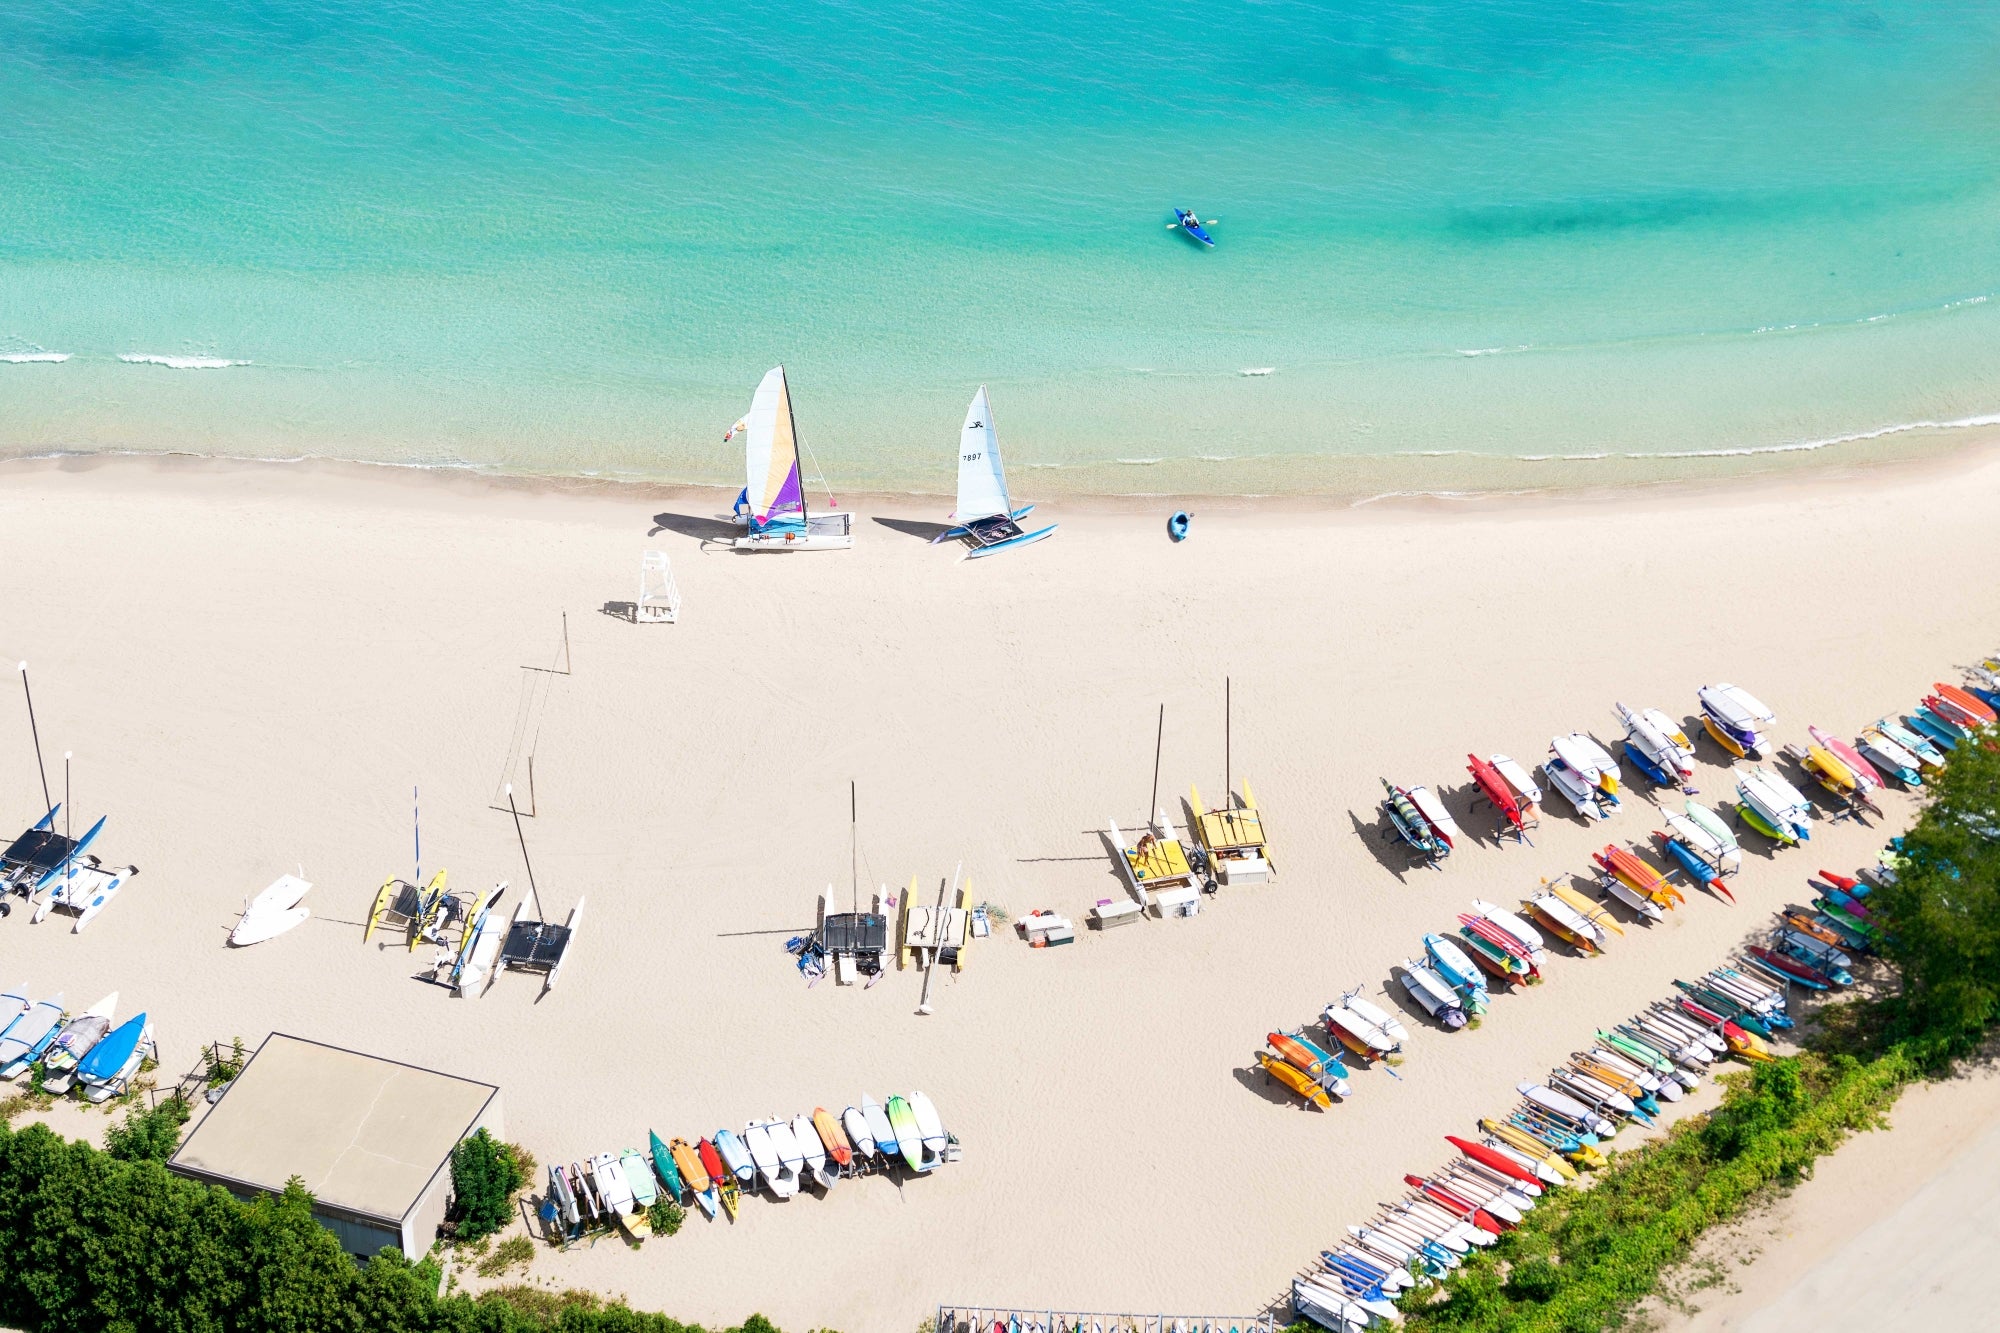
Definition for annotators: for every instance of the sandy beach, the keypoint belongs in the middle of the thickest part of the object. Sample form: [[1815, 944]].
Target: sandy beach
[[1911, 1206], [254, 665]]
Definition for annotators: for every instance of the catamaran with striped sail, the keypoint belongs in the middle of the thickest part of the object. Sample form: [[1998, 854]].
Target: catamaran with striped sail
[[987, 520], [772, 509]]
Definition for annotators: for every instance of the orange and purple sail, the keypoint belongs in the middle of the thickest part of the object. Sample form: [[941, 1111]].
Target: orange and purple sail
[[773, 493]]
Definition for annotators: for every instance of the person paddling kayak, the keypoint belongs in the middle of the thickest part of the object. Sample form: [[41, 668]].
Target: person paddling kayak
[[1186, 221]]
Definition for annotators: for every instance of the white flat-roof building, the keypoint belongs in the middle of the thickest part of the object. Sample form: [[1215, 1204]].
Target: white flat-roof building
[[371, 1138]]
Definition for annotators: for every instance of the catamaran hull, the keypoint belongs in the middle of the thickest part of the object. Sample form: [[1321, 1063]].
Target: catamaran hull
[[1025, 539], [795, 542]]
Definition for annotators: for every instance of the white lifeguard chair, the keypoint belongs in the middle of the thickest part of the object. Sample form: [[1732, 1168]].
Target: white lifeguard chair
[[659, 596]]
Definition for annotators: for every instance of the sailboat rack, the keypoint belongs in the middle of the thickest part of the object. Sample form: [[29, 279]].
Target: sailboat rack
[[983, 1318], [539, 946], [34, 858], [855, 940]]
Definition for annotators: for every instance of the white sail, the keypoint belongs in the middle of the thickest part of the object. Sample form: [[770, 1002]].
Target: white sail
[[982, 482]]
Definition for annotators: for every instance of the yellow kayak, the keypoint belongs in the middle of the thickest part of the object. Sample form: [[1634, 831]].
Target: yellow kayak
[[1296, 1079], [1592, 910], [1831, 772], [1748, 1045], [1521, 1141]]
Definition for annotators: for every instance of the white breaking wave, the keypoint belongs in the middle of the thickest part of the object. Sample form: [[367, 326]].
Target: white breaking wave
[[1261, 370], [179, 362], [1798, 446], [26, 358]]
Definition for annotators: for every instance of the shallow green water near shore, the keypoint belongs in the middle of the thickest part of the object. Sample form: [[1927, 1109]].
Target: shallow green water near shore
[[568, 239]]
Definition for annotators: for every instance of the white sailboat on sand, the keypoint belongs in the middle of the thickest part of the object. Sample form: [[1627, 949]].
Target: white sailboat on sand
[[272, 912], [772, 509], [986, 518]]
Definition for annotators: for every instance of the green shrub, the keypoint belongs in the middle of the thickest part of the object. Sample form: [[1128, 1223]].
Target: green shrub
[[666, 1217], [148, 1136], [514, 1252], [484, 1176], [94, 1242]]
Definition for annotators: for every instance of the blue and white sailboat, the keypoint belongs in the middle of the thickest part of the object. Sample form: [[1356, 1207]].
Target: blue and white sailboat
[[986, 518]]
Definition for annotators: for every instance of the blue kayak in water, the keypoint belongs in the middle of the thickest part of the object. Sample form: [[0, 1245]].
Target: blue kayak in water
[[1191, 224]]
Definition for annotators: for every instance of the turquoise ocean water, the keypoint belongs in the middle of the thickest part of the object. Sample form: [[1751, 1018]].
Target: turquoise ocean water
[[1473, 241]]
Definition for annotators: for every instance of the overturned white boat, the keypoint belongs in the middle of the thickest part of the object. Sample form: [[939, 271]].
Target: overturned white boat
[[272, 912]]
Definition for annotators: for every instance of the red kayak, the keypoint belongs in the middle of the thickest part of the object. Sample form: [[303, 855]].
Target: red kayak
[[1968, 703], [1493, 1158], [1730, 1032], [1790, 966], [1498, 938], [1463, 1207], [1951, 712], [711, 1162], [1846, 883], [1495, 789]]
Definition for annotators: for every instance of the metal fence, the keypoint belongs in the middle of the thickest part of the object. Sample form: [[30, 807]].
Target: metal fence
[[1013, 1319]]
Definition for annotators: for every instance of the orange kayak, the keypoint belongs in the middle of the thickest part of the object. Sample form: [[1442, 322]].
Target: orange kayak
[[1969, 702], [833, 1136], [693, 1166], [1639, 877], [1295, 1079], [1296, 1055]]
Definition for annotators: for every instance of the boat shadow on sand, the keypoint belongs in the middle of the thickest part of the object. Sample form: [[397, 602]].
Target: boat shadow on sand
[[1391, 854], [694, 525], [1395, 993], [911, 527]]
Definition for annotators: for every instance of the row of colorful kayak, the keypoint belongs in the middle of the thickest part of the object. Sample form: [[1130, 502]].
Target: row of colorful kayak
[[1814, 946], [1589, 778], [1579, 769], [1629, 1069], [87, 1051], [781, 1156], [1557, 1128]]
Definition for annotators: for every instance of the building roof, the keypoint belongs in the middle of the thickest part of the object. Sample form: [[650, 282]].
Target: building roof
[[367, 1135]]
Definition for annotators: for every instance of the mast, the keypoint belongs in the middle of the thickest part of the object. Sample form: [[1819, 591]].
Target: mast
[[798, 460], [1159, 738]]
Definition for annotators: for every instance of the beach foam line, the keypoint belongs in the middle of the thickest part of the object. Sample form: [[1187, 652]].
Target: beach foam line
[[1139, 462], [1801, 446], [33, 358], [178, 362]]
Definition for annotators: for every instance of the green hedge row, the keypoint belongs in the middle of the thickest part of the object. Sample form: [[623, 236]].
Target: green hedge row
[[90, 1243], [1585, 1255]]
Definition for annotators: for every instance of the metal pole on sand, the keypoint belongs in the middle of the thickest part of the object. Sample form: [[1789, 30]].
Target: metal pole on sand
[[924, 1000], [36, 732]]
